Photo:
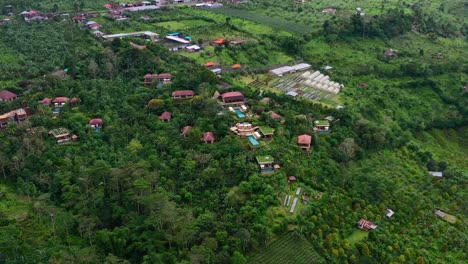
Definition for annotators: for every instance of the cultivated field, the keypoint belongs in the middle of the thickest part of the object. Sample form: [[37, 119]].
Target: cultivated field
[[288, 249]]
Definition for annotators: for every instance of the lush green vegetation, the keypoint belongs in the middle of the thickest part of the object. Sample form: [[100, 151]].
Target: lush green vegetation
[[140, 192]]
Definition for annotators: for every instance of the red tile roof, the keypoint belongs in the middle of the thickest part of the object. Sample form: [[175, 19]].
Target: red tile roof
[[165, 116], [165, 75], [183, 93], [151, 76], [209, 64], [208, 136], [74, 100], [219, 41], [236, 66], [304, 139], [7, 95], [291, 178], [95, 121], [46, 101], [60, 100], [231, 94]]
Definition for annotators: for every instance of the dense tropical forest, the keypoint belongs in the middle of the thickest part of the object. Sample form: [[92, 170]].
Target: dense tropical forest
[[142, 187]]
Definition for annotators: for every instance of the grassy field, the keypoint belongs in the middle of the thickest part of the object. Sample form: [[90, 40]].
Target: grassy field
[[288, 249], [183, 24], [250, 26], [357, 236], [265, 20], [450, 145]]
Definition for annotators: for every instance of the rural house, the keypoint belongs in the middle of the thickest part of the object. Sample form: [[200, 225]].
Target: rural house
[[322, 126], [266, 164], [95, 123], [208, 137], [304, 142], [6, 95], [17, 116], [233, 98], [165, 116], [182, 94], [366, 225]]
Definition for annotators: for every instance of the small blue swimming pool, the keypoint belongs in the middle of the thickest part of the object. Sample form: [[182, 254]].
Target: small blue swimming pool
[[239, 113], [253, 141], [97, 130]]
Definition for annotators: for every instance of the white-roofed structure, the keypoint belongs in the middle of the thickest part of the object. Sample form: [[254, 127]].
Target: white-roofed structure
[[177, 39], [148, 34], [290, 69]]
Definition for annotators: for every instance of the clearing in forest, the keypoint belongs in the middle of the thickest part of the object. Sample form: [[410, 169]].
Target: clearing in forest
[[290, 248], [357, 236]]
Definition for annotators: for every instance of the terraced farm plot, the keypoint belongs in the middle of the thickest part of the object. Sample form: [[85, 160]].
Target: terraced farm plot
[[288, 249]]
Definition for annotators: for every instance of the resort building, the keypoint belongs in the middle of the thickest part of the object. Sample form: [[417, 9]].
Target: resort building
[[322, 126], [244, 129], [183, 94], [162, 78], [61, 135], [266, 164], [165, 117], [17, 116], [304, 142], [233, 99], [95, 123], [266, 132], [208, 137]]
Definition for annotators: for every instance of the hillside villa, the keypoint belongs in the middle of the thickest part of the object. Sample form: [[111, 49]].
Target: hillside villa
[[266, 164], [165, 116], [322, 126], [163, 78], [233, 99], [266, 132], [96, 123], [17, 116], [62, 135], [304, 142], [182, 94], [243, 129], [208, 137]]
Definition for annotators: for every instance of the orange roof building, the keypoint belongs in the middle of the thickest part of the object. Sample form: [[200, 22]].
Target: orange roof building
[[236, 66], [219, 41], [210, 64], [304, 141]]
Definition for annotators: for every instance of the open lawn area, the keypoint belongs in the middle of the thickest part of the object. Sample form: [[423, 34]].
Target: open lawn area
[[357, 236], [288, 249], [183, 24]]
